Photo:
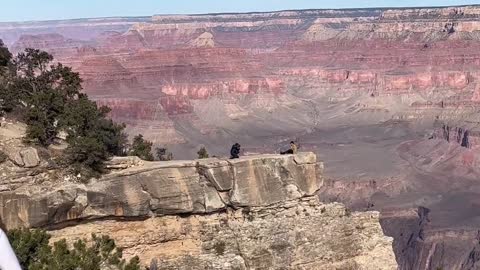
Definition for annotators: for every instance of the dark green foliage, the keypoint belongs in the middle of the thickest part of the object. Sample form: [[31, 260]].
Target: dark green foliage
[[133, 264], [141, 148], [42, 117], [41, 92], [92, 137], [84, 119], [86, 155], [29, 246], [34, 253], [163, 154], [31, 61], [5, 61], [80, 116], [5, 57], [202, 153], [48, 98]]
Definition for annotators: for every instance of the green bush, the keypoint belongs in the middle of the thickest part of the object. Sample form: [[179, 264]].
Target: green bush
[[202, 153], [86, 157], [142, 148], [5, 56], [34, 253], [43, 90], [163, 154], [91, 136]]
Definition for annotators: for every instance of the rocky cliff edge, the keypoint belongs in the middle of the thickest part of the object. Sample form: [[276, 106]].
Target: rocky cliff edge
[[139, 189], [257, 212]]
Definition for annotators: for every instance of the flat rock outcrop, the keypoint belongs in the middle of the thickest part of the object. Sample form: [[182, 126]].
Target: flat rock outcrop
[[256, 212], [144, 189]]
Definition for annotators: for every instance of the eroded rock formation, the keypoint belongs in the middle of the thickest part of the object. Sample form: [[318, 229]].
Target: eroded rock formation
[[257, 212], [298, 234], [402, 63]]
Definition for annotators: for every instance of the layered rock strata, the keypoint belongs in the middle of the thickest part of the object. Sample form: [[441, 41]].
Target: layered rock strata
[[257, 212], [296, 234], [402, 63], [165, 188]]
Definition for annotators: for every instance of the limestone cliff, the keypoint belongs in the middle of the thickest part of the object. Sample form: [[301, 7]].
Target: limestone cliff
[[257, 212]]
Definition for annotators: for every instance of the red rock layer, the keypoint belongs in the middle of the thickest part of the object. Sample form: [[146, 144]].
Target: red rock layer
[[428, 57]]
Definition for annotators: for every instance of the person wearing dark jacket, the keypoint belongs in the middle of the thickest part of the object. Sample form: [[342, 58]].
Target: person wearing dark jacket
[[292, 151], [235, 151]]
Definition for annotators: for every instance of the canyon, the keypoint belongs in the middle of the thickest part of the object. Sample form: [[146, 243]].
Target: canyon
[[256, 212], [387, 98]]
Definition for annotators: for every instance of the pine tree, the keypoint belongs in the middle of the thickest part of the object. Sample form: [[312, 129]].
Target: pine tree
[[163, 154], [48, 98], [142, 148], [34, 253]]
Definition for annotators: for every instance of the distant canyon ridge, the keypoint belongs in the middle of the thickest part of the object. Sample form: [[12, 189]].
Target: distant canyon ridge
[[193, 79], [389, 99]]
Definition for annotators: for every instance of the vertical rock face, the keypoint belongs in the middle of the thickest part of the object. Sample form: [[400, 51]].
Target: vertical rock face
[[298, 234], [257, 212]]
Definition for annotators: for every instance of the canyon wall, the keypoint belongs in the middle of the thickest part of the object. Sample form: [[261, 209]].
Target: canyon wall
[[156, 72], [257, 212], [298, 234]]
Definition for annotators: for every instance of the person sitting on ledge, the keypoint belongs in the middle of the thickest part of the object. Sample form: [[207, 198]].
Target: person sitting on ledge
[[292, 151], [235, 151]]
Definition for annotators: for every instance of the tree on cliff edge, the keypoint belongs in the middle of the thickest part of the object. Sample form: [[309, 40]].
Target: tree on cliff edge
[[202, 153], [5, 57], [48, 98], [163, 154], [39, 92], [142, 148], [92, 137], [5, 61]]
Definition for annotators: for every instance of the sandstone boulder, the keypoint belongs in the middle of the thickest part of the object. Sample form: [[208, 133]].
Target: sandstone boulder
[[23, 156]]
